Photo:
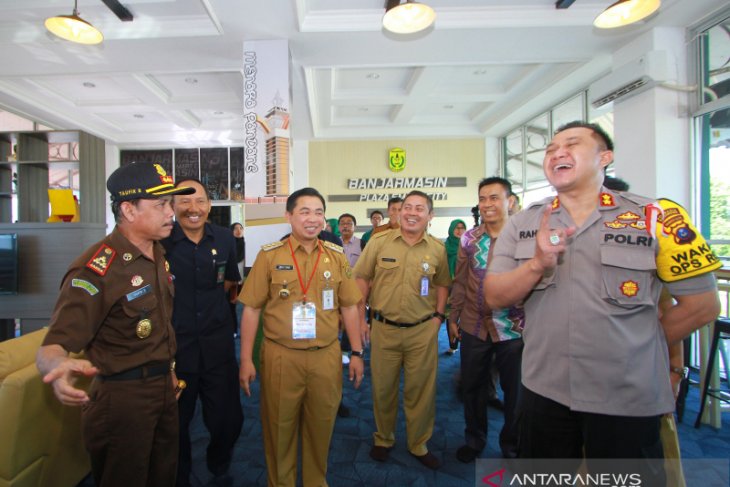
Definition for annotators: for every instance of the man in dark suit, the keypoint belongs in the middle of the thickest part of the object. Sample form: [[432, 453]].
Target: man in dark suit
[[202, 258]]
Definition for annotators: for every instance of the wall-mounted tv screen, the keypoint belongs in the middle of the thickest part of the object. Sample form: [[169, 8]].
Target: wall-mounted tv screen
[[9, 263]]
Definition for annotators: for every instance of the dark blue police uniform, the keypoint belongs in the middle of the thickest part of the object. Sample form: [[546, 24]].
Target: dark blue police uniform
[[206, 356]]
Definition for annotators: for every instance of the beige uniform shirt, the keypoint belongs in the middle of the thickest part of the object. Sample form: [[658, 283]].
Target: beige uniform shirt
[[396, 271], [274, 282]]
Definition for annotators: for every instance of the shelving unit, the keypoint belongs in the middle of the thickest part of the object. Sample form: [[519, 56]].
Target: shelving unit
[[32, 165]]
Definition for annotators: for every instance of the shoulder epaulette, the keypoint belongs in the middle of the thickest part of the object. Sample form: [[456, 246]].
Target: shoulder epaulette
[[550, 200], [637, 199], [272, 245], [102, 259], [437, 240], [333, 246]]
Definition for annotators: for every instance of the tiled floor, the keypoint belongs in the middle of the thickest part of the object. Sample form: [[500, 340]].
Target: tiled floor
[[350, 465]]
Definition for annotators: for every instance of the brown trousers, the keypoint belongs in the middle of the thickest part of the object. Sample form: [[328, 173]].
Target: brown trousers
[[130, 430]]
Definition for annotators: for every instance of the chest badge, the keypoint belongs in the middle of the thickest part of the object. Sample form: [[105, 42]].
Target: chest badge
[[137, 281], [630, 288], [214, 252], [167, 266], [284, 292], [127, 257], [144, 328]]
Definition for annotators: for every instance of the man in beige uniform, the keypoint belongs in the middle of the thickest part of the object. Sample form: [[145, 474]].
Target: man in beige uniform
[[394, 206], [409, 273], [303, 282]]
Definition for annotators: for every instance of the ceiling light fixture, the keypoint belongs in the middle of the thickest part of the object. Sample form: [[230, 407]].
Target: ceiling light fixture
[[407, 16], [625, 12], [73, 28]]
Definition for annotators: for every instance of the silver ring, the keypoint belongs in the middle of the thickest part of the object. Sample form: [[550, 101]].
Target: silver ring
[[554, 239]]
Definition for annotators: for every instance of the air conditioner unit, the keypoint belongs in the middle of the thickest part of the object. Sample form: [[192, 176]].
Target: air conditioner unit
[[630, 79]]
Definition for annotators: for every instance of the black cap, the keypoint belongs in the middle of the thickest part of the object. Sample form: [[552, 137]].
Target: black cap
[[141, 180]]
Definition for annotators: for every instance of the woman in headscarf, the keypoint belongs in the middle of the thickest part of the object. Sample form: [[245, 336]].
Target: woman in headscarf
[[456, 230]]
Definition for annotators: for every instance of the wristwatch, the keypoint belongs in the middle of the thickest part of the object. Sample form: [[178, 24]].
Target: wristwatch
[[440, 316], [683, 372], [358, 353]]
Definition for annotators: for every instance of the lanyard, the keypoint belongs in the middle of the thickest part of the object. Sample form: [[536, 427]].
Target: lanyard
[[299, 274]]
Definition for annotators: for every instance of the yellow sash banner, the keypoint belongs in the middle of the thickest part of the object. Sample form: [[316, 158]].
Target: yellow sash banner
[[683, 251]]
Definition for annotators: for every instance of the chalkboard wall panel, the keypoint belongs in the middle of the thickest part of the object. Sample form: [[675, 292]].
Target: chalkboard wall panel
[[187, 163], [162, 157], [214, 172], [237, 174]]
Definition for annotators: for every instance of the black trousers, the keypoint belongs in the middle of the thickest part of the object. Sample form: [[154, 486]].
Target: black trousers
[[219, 394], [549, 429], [476, 357]]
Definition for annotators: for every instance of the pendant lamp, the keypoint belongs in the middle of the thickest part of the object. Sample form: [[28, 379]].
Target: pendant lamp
[[625, 12], [407, 17], [73, 28]]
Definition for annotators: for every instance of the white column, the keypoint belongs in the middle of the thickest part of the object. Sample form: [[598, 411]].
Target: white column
[[652, 129]]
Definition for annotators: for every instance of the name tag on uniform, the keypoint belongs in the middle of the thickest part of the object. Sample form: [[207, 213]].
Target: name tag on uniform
[[284, 267], [424, 286], [328, 299], [304, 321], [220, 273], [138, 293]]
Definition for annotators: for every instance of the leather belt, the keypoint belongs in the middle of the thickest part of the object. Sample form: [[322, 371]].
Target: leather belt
[[141, 372], [379, 317]]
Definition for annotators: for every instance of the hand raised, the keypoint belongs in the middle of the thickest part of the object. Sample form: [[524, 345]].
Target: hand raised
[[550, 243]]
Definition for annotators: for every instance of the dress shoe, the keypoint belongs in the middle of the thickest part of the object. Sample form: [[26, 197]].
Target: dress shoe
[[428, 460], [496, 403], [466, 454], [379, 453]]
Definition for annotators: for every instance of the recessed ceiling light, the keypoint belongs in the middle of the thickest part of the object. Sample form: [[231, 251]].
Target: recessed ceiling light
[[372, 76], [218, 112], [479, 72], [89, 84], [138, 115], [363, 109], [191, 80], [448, 107]]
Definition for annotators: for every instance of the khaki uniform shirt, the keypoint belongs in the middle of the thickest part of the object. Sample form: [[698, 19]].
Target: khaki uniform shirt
[[593, 340], [105, 294], [274, 274], [396, 269], [391, 225]]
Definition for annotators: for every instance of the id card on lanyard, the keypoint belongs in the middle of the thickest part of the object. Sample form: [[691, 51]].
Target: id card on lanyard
[[304, 321]]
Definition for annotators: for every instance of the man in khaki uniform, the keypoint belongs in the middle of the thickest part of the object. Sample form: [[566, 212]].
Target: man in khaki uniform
[[409, 274], [303, 282], [394, 207]]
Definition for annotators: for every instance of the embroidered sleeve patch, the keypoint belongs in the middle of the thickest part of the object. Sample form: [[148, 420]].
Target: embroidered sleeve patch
[[85, 285], [683, 251], [101, 260]]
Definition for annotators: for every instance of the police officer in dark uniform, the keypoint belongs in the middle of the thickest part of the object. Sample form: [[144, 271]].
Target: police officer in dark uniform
[[203, 260], [115, 304]]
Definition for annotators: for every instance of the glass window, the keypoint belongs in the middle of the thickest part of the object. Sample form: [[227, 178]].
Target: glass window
[[523, 149], [716, 61], [569, 111], [714, 133], [512, 157]]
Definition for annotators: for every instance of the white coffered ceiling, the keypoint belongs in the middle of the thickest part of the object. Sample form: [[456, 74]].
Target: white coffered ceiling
[[173, 75]]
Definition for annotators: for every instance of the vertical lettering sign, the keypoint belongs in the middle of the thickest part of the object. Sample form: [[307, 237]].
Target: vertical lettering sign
[[265, 119]]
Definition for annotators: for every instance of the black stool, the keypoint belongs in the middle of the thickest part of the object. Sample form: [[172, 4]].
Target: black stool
[[722, 327]]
